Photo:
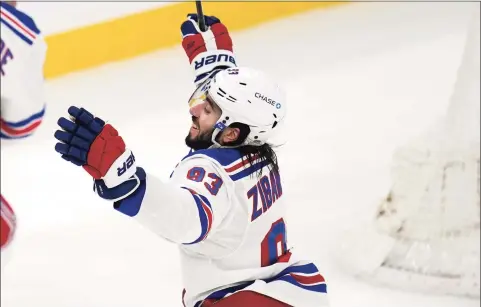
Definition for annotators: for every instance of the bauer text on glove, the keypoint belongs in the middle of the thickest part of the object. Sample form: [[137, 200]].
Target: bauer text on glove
[[207, 50]]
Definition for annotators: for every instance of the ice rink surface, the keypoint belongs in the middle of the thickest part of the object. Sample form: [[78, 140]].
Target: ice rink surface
[[361, 80]]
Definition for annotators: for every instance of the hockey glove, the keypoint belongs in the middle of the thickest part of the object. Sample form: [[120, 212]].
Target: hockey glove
[[207, 50], [88, 142], [7, 223]]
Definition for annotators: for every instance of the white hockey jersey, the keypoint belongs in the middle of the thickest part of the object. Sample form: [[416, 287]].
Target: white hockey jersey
[[231, 229], [22, 56]]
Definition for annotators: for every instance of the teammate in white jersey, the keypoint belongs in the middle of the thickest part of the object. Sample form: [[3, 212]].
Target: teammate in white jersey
[[224, 204], [22, 56]]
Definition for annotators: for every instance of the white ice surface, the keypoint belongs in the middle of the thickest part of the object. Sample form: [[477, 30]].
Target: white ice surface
[[361, 80]]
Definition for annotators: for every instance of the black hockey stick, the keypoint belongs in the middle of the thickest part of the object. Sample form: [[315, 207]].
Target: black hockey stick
[[200, 15]]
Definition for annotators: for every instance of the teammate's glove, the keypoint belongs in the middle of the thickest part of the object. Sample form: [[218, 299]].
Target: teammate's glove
[[88, 142], [207, 50], [8, 223]]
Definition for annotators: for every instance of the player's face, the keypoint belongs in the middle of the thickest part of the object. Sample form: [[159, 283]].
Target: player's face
[[200, 133]]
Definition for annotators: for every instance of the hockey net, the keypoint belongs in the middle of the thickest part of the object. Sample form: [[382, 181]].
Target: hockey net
[[426, 233]]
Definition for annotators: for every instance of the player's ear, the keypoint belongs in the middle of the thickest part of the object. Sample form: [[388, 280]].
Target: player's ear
[[230, 135]]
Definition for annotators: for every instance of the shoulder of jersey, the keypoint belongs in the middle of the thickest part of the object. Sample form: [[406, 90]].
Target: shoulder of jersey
[[231, 161], [19, 23]]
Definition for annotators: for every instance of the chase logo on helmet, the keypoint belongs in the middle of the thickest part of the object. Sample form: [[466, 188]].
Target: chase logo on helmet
[[268, 100], [214, 59]]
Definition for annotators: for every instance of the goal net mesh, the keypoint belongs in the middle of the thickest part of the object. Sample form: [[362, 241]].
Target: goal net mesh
[[426, 233]]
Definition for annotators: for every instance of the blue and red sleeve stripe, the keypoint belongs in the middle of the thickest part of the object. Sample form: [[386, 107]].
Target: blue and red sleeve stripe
[[23, 128], [206, 215], [20, 23], [244, 169], [305, 276]]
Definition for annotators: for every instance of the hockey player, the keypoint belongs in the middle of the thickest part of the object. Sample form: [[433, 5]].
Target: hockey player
[[22, 56], [224, 204]]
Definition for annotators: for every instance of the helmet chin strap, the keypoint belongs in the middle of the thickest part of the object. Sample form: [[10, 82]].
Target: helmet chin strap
[[223, 122], [218, 131]]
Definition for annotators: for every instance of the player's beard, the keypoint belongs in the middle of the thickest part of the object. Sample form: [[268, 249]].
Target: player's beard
[[203, 140]]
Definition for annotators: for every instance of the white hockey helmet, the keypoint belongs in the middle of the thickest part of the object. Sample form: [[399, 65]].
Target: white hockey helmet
[[246, 96]]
